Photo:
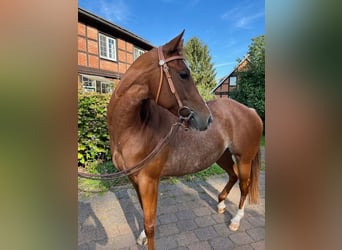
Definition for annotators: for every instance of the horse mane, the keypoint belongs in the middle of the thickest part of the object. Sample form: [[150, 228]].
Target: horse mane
[[135, 73]]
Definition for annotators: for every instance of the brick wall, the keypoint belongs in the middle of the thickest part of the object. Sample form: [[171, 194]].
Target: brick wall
[[88, 51]]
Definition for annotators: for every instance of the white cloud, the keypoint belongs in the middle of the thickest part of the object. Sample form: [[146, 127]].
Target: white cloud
[[224, 64], [114, 11], [230, 14], [244, 21], [242, 15]]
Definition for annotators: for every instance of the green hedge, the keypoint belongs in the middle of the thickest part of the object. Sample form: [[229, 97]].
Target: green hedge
[[93, 137]]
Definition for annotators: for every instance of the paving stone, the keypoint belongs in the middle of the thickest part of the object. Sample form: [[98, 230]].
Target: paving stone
[[83, 246], [168, 229], [168, 242], [186, 238], [202, 211], [257, 233], [206, 233], [185, 214], [256, 221], [221, 218], [187, 219], [167, 210], [244, 224], [241, 238], [221, 243], [124, 229], [186, 225], [122, 241], [260, 245], [180, 248], [201, 245], [245, 247], [165, 202], [204, 221], [182, 207], [167, 218], [222, 229]]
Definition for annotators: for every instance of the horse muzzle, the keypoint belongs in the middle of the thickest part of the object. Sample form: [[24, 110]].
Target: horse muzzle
[[191, 119]]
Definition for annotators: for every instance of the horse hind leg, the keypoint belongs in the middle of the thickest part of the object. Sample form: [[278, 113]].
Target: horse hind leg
[[226, 162], [244, 182]]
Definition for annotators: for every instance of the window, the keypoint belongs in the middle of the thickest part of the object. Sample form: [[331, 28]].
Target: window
[[95, 84], [88, 84], [106, 87], [107, 47], [137, 52], [232, 81]]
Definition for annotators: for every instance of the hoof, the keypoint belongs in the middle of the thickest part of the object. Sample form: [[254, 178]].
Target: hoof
[[234, 226], [221, 207], [142, 240], [221, 210]]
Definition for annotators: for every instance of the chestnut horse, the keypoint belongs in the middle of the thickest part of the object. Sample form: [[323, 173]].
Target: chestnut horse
[[155, 92]]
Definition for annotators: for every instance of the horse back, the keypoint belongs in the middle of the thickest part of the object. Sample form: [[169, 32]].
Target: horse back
[[242, 124]]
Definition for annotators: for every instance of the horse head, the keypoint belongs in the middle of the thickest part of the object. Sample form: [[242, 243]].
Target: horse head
[[163, 76], [176, 90]]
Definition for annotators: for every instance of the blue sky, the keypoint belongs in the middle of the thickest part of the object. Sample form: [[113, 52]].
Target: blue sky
[[225, 26]]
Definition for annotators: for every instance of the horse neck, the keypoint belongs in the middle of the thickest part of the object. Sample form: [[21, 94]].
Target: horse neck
[[126, 109]]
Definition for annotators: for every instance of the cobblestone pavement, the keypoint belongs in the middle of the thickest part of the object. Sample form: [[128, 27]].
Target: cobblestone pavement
[[186, 219]]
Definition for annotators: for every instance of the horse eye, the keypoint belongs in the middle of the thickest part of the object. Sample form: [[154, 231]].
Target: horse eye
[[184, 75]]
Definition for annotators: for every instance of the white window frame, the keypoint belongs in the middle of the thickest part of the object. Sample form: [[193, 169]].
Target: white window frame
[[232, 81], [90, 85], [137, 52], [106, 51], [104, 86], [88, 88]]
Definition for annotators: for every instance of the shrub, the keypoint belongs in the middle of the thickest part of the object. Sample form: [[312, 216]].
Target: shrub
[[93, 137]]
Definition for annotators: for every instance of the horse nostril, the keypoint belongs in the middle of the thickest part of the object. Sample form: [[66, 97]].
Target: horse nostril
[[185, 112], [210, 120]]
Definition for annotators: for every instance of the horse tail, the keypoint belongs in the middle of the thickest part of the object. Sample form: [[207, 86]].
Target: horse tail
[[254, 180]]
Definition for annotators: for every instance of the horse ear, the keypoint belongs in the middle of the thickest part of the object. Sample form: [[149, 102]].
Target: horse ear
[[175, 45]]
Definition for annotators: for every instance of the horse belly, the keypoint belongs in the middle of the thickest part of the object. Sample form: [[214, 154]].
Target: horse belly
[[189, 158]]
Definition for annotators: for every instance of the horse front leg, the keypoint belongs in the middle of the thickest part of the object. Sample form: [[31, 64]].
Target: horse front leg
[[148, 192]]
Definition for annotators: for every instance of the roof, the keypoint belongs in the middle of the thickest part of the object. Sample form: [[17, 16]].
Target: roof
[[111, 28], [221, 81]]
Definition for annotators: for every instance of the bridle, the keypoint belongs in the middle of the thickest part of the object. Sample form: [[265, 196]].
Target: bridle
[[184, 112]]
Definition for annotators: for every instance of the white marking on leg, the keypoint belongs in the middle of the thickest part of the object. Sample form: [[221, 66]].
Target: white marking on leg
[[234, 158], [221, 207], [142, 240], [235, 222]]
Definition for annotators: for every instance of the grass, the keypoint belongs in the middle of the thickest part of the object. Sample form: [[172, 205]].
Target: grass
[[262, 143], [91, 186], [202, 175], [87, 185], [98, 186]]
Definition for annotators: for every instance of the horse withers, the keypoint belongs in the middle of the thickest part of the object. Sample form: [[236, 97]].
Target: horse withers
[[156, 93]]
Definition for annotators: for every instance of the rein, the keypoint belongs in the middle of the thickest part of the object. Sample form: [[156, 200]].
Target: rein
[[135, 168], [182, 119]]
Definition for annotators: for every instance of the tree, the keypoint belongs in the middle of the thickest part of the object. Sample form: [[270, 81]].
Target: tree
[[251, 82], [202, 70]]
